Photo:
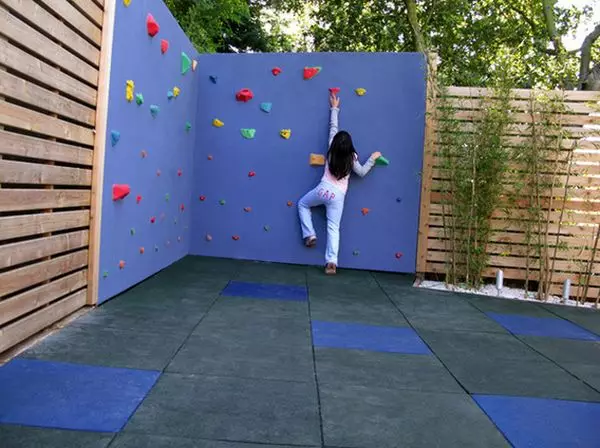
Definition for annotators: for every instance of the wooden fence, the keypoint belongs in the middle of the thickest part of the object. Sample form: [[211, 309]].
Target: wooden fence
[[578, 225], [50, 61]]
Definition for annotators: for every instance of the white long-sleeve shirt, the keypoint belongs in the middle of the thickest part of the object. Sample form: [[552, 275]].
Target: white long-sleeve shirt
[[360, 170]]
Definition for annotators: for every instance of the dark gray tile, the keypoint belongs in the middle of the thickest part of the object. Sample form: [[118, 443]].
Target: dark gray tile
[[508, 306], [128, 440], [389, 279], [332, 292], [357, 310], [565, 350], [273, 273], [452, 320], [584, 317], [28, 437], [428, 301], [459, 345], [517, 377], [107, 347], [358, 416], [211, 354], [391, 370], [589, 373], [260, 411], [236, 307]]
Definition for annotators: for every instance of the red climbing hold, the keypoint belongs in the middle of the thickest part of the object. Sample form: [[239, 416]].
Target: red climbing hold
[[121, 264], [119, 191], [152, 25], [210, 157], [142, 250], [152, 220], [164, 46], [247, 209], [251, 174], [290, 203], [158, 172], [179, 172], [138, 198], [334, 90], [276, 71], [202, 198], [235, 237], [399, 255], [244, 95], [365, 211], [311, 72], [182, 207]]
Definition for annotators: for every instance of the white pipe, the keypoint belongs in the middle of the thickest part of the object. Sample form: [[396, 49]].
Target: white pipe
[[566, 289], [499, 280]]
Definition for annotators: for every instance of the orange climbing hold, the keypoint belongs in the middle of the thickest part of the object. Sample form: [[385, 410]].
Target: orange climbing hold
[[365, 211], [152, 25], [142, 250], [290, 203], [119, 191], [121, 264], [164, 46]]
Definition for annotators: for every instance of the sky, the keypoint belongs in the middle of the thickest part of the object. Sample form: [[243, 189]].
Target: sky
[[573, 42]]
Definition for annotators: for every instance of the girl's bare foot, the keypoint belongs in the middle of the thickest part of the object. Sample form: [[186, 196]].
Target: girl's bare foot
[[310, 241], [330, 269]]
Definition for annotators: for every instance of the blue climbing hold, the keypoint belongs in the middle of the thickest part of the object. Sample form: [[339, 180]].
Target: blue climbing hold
[[398, 200], [154, 110], [114, 137], [266, 107], [213, 78], [170, 95]]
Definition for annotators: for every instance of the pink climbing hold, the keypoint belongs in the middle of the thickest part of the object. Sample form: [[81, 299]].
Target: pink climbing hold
[[138, 198], [182, 207], [152, 220], [244, 95], [334, 90], [120, 191], [202, 198], [180, 172], [235, 237], [276, 71], [152, 25], [399, 255], [251, 174], [164, 46]]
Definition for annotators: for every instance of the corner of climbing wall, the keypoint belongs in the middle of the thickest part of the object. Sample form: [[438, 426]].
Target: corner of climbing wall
[[147, 189]]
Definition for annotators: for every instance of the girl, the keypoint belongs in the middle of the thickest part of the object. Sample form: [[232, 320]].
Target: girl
[[341, 159]]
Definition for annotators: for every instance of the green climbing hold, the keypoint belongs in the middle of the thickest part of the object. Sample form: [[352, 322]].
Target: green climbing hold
[[105, 274], [248, 133], [382, 161], [139, 99], [188, 126], [154, 110], [222, 202], [167, 197], [267, 228], [186, 63], [132, 231]]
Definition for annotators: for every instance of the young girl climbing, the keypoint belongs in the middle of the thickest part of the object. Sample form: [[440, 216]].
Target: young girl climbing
[[340, 160]]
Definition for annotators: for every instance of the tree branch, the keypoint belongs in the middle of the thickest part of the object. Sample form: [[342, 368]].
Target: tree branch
[[411, 8], [523, 16], [551, 25], [586, 54]]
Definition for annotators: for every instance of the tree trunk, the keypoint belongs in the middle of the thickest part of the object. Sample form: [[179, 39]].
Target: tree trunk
[[584, 66], [411, 8], [551, 25]]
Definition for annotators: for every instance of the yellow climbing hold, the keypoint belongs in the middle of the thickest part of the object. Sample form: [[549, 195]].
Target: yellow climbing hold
[[360, 91], [218, 123], [129, 90], [286, 133], [127, 2], [176, 91]]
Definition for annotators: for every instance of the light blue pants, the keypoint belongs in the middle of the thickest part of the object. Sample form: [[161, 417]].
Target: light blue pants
[[333, 200]]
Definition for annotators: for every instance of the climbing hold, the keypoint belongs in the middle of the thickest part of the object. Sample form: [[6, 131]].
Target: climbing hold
[[179, 239], [251, 174], [139, 99], [247, 209], [121, 264], [168, 243], [170, 95], [154, 110], [248, 133], [152, 220], [188, 126], [334, 90], [398, 200], [356, 253], [152, 26], [276, 71], [143, 153], [182, 207], [213, 78], [179, 172], [194, 65], [285, 133], [382, 161], [129, 85], [266, 228], [142, 250], [244, 95], [290, 203], [164, 46], [114, 137], [158, 173], [167, 197], [266, 107], [119, 191], [235, 237], [311, 72], [176, 91], [365, 211], [209, 157], [360, 91], [155, 248], [202, 198], [217, 123], [132, 231], [208, 237], [399, 255], [175, 221], [186, 63], [138, 198], [222, 202], [317, 160], [104, 274], [127, 2]]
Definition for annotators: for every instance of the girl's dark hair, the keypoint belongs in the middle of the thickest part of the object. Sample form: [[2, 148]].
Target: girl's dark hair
[[340, 156]]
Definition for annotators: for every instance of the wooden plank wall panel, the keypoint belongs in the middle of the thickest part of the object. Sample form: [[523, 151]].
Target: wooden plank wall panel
[[581, 217], [50, 52]]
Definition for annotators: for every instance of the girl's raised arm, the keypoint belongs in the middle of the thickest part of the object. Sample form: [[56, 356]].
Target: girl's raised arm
[[334, 102]]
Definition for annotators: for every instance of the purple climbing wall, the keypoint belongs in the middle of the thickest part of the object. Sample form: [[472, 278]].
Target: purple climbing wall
[[246, 189], [152, 151]]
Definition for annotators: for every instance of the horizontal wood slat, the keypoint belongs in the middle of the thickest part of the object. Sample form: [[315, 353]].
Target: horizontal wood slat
[[28, 276], [24, 200], [459, 103], [33, 299], [33, 173], [34, 68], [77, 20], [24, 251], [30, 225], [29, 120], [45, 21], [569, 95], [22, 329], [91, 10]]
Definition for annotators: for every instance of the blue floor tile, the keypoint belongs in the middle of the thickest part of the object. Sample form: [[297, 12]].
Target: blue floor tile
[[70, 396], [368, 337], [538, 422], [542, 326], [265, 291]]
